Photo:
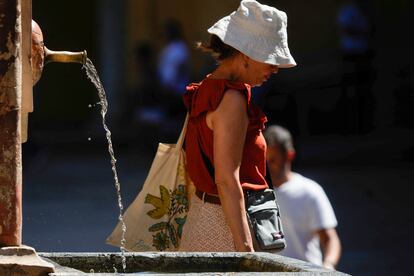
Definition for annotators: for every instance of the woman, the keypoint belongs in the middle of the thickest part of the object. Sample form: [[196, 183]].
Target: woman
[[225, 148]]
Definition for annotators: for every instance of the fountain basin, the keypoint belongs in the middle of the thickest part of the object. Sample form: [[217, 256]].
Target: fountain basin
[[178, 263]]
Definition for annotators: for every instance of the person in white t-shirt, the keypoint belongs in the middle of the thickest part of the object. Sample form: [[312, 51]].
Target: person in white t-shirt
[[307, 215]]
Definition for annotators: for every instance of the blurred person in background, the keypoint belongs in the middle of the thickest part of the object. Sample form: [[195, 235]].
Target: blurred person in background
[[173, 68], [308, 218], [225, 147]]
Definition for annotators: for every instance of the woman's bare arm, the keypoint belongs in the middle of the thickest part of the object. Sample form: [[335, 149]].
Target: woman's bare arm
[[229, 123]]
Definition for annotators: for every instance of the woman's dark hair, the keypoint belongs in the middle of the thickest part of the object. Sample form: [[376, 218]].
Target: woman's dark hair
[[217, 48]]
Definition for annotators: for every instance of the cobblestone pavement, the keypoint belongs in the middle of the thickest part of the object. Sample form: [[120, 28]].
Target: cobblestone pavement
[[70, 202]]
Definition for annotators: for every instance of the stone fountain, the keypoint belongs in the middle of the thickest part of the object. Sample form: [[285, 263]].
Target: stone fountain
[[22, 56]]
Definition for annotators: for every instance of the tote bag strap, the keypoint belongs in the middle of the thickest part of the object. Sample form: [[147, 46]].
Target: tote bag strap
[[181, 139], [269, 177]]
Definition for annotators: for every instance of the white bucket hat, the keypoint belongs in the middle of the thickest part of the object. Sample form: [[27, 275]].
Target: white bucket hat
[[258, 31]]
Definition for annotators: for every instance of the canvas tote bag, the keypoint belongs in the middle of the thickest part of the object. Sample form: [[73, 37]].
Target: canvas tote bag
[[155, 219]]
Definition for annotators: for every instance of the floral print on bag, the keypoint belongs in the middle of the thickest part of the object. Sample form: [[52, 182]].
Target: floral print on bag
[[174, 205]]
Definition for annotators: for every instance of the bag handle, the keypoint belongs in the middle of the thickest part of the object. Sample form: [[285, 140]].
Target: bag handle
[[181, 139]]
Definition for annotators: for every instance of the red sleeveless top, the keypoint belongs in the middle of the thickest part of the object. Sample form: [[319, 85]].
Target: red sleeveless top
[[206, 96]]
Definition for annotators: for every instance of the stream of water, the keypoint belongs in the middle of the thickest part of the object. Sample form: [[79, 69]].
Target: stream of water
[[93, 76]]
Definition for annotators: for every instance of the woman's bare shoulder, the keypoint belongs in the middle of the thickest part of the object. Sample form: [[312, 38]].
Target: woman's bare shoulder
[[233, 105], [234, 98]]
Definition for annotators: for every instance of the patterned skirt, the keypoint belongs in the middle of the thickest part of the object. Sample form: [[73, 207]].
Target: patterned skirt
[[206, 229]]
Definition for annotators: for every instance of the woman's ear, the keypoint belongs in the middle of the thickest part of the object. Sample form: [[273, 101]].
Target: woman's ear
[[291, 155], [245, 60]]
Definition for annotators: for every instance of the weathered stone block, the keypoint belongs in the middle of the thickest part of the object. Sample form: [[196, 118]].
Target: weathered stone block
[[23, 261]]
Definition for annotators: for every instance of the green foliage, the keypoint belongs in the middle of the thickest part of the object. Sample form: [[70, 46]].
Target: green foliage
[[160, 241], [180, 222], [158, 226], [173, 207]]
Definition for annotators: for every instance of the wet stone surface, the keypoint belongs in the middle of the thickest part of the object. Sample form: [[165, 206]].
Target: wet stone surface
[[193, 263]]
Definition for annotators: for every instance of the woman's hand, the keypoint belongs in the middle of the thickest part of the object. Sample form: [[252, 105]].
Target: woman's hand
[[229, 123]]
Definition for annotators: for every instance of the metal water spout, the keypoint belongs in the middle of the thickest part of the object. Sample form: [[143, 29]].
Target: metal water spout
[[65, 56], [41, 55]]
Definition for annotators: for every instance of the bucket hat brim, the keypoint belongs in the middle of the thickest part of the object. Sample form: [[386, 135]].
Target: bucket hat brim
[[262, 41]]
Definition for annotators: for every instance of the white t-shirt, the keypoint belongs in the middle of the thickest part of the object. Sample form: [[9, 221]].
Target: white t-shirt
[[304, 209]]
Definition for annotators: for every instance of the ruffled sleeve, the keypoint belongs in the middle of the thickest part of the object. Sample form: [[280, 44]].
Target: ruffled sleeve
[[207, 95]]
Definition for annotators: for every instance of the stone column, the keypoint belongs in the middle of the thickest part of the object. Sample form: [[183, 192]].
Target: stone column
[[111, 18], [15, 259], [10, 141]]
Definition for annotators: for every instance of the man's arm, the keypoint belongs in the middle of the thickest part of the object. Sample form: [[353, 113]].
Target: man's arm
[[331, 247]]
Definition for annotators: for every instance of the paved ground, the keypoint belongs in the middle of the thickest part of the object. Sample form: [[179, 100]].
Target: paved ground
[[70, 202]]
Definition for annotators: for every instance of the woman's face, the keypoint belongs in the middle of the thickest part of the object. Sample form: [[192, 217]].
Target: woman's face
[[258, 72]]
